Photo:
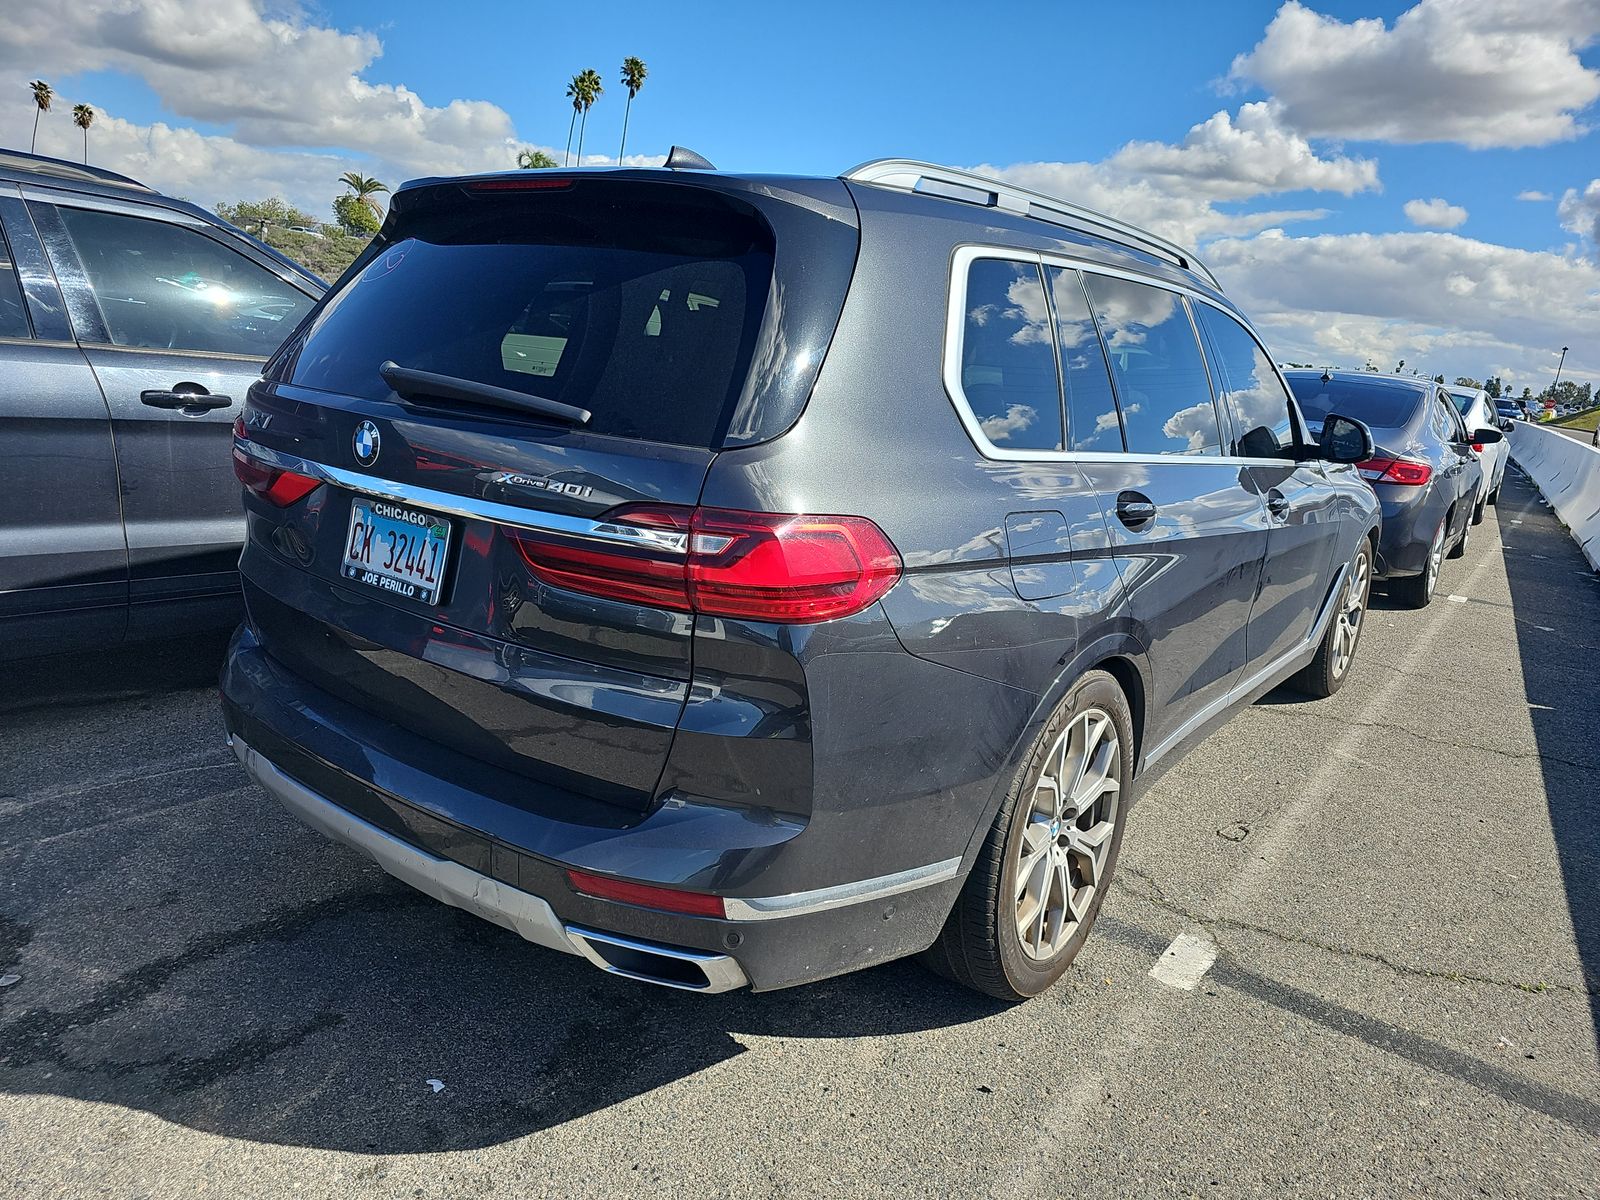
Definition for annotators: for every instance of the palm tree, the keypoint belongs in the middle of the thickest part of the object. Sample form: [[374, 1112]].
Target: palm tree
[[366, 189], [633, 73], [534, 159], [83, 117], [588, 94], [575, 94], [42, 95]]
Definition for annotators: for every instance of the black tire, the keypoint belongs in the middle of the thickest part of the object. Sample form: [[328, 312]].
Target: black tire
[[1416, 591], [1325, 674], [1494, 496], [1477, 512], [1460, 548], [980, 946]]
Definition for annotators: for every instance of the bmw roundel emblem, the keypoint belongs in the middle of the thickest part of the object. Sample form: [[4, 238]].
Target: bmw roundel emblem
[[367, 443]]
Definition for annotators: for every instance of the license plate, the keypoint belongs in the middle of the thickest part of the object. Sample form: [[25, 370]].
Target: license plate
[[397, 550]]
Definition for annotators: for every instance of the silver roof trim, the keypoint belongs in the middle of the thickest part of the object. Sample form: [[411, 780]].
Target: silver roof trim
[[908, 175]]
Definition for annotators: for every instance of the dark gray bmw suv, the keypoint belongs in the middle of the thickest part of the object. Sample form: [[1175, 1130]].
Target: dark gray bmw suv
[[743, 579]]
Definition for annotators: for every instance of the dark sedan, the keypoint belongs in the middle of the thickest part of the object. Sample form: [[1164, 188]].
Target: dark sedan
[[1424, 470]]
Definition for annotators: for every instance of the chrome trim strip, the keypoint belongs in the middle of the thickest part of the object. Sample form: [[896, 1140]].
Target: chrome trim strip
[[722, 973], [955, 330], [468, 506], [768, 908], [1242, 689], [446, 881]]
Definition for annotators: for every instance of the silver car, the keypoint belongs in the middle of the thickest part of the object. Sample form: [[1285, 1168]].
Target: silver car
[[1478, 412]]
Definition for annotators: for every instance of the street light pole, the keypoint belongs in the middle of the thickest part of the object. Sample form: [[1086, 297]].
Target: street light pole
[[1559, 365]]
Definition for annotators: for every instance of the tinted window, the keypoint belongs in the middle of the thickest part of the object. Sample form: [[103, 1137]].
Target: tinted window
[[165, 287], [1377, 402], [1092, 422], [1161, 379], [1463, 400], [1257, 402], [644, 313], [13, 316], [1008, 365]]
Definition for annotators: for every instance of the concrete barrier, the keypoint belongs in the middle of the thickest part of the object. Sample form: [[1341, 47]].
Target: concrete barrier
[[1568, 473]]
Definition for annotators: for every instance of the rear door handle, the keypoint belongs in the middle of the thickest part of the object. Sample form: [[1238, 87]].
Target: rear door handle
[[197, 400], [1135, 509], [1277, 503]]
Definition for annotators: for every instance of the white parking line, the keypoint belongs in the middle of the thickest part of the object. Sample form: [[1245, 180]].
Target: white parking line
[[1183, 963], [1456, 599]]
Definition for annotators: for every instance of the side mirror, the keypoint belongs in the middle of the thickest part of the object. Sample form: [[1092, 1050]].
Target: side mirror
[[1345, 440], [1486, 437], [1506, 425]]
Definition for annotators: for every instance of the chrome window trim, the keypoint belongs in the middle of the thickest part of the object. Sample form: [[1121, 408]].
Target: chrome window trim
[[770, 908], [955, 327], [469, 507]]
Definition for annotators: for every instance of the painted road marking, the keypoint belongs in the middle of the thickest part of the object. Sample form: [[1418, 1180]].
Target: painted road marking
[[1183, 963], [1456, 599]]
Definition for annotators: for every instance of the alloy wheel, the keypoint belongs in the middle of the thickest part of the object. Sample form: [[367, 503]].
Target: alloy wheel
[[1352, 609], [1062, 853], [1436, 556]]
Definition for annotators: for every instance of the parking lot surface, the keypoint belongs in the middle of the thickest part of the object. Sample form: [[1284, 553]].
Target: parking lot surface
[[1401, 885]]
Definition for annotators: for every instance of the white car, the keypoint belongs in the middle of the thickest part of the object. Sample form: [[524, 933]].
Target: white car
[[1478, 412]]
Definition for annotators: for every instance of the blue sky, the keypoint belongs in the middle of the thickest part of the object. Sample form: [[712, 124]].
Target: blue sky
[[1371, 106]]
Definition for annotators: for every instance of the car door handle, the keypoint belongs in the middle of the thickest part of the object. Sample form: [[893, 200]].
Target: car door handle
[[198, 400], [1135, 509], [1277, 503]]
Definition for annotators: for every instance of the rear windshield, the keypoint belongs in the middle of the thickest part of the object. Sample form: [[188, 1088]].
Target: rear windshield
[[1378, 404], [638, 303], [1463, 401]]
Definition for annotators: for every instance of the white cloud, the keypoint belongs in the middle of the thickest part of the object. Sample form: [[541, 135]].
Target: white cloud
[[271, 80], [1434, 214], [1580, 212], [1533, 195], [1248, 155], [1447, 304], [1480, 72]]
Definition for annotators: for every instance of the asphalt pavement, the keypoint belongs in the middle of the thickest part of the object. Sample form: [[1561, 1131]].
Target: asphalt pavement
[[1401, 886]]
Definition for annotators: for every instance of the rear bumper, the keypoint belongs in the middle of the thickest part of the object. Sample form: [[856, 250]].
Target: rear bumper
[[460, 887], [328, 764], [1408, 525]]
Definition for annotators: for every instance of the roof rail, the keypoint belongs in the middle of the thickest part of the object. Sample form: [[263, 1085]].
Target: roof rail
[[909, 175], [60, 168]]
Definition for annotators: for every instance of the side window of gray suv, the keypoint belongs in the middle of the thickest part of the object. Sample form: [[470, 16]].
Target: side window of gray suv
[[1254, 396], [166, 287], [13, 316], [1008, 364], [1162, 383], [1092, 422]]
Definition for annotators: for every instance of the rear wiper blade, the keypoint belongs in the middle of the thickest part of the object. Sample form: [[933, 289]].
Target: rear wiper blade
[[409, 382]]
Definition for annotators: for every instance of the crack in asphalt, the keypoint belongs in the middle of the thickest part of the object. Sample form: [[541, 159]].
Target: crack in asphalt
[[1213, 921], [1432, 740], [36, 1036]]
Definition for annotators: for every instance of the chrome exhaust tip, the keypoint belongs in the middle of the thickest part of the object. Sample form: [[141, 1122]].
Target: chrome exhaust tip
[[651, 962]]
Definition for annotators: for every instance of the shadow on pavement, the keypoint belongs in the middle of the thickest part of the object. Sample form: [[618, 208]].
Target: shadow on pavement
[[1557, 603], [188, 950]]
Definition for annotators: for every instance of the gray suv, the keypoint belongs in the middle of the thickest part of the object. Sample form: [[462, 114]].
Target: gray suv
[[130, 326], [741, 580]]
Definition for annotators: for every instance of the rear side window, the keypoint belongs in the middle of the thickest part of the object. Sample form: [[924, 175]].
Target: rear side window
[[1256, 400], [642, 309], [1092, 422], [1008, 364], [13, 316], [167, 287], [1380, 404], [1161, 378]]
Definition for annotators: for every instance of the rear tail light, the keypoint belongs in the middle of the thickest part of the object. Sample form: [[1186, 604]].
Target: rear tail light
[[272, 484], [790, 569], [646, 895], [1407, 471], [1477, 447]]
